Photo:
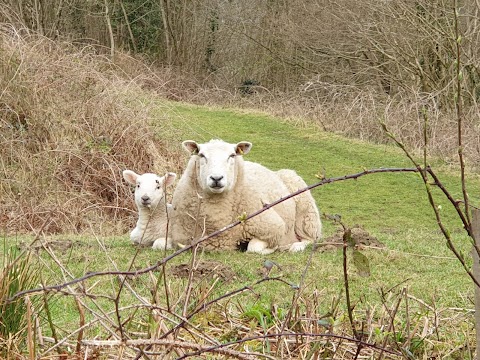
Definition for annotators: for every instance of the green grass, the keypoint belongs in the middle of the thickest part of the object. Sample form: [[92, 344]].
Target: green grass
[[382, 202], [392, 207]]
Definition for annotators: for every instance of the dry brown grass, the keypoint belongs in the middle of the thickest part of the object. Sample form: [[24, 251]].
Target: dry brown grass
[[70, 121], [160, 314]]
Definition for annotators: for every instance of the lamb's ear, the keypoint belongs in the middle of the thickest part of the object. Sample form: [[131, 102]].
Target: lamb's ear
[[191, 146], [170, 178], [130, 176], [243, 148]]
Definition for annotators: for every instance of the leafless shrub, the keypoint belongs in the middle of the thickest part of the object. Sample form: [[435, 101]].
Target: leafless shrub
[[70, 122]]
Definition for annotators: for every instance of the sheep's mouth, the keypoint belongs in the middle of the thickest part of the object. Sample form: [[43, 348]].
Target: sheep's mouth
[[217, 189], [146, 204], [216, 186]]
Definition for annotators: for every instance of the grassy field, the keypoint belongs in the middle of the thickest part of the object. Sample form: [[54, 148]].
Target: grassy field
[[416, 302]]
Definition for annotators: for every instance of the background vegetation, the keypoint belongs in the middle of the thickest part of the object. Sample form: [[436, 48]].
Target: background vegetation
[[343, 64], [89, 88]]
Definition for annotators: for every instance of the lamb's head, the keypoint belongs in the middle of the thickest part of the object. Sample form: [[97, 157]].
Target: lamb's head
[[149, 188], [217, 163]]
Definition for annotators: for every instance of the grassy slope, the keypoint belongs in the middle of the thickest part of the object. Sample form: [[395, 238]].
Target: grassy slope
[[393, 207]]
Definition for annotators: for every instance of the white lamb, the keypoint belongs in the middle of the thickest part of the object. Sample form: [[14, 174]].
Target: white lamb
[[218, 187], [153, 209]]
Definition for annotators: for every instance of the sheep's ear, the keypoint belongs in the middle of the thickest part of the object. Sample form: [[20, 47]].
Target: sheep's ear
[[191, 146], [170, 178], [130, 176], [243, 148]]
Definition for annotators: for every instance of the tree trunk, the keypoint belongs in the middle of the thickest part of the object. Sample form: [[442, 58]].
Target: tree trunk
[[110, 30], [476, 273]]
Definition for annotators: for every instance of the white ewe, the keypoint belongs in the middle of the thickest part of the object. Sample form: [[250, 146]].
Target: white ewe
[[308, 225], [153, 209], [218, 187]]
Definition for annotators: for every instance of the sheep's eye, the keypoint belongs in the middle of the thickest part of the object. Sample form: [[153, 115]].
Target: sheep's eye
[[158, 184], [138, 186]]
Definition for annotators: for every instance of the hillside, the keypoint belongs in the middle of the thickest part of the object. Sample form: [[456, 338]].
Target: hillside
[[72, 120]]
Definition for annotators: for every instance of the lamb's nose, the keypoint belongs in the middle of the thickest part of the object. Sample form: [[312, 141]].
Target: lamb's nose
[[145, 198]]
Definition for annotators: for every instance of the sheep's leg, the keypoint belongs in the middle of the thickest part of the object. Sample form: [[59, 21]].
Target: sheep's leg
[[266, 231], [259, 247], [138, 237], [181, 234], [299, 245], [135, 236], [162, 244]]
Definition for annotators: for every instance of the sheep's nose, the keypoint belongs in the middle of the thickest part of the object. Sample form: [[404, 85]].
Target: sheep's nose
[[145, 198], [216, 178]]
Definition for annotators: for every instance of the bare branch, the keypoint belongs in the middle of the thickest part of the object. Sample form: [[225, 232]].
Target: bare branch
[[434, 205], [304, 334]]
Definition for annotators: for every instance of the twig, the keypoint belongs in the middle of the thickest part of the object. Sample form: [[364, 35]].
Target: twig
[[300, 287], [37, 237], [450, 198], [229, 294], [30, 329], [391, 326], [191, 270], [164, 268], [220, 349], [304, 334], [347, 233], [49, 317], [81, 314], [443, 229], [347, 238]]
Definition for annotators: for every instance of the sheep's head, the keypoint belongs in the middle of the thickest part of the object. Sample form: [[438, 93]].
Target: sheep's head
[[149, 188], [217, 160]]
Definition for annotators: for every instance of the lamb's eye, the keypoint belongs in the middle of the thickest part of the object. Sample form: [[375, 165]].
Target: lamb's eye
[[138, 186]]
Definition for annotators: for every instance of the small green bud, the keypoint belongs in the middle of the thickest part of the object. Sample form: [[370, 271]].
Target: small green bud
[[243, 217]]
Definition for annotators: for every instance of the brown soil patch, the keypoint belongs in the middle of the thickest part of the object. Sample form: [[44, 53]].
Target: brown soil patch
[[204, 269], [361, 237], [57, 245]]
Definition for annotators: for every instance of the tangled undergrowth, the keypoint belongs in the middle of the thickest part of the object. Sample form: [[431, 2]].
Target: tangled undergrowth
[[70, 121]]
